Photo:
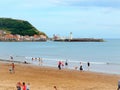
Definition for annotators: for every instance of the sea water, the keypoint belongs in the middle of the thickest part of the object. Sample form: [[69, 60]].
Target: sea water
[[103, 56]]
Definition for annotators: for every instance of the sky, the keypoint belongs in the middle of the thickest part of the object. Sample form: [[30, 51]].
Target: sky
[[84, 18]]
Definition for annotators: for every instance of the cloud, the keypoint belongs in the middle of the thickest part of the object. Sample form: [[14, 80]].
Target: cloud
[[35, 3], [59, 3], [89, 3], [51, 3]]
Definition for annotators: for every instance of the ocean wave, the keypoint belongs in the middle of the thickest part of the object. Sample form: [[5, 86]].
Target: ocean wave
[[71, 60]]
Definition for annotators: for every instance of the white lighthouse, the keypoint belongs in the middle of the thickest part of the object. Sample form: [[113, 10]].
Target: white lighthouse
[[70, 35]]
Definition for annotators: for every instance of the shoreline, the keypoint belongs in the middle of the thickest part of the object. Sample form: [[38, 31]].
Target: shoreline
[[45, 78], [91, 69], [52, 67]]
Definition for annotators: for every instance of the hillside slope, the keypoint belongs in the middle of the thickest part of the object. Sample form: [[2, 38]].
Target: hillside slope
[[20, 27]]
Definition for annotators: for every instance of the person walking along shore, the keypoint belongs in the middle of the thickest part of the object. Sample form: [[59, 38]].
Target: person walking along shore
[[59, 65], [88, 64]]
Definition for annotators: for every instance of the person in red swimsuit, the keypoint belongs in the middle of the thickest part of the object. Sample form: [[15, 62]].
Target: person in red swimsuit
[[13, 67], [59, 65], [24, 86]]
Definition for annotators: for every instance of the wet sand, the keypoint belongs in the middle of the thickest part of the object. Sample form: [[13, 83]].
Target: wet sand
[[45, 78]]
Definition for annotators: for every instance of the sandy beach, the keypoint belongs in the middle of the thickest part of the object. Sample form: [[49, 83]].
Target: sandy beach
[[45, 78]]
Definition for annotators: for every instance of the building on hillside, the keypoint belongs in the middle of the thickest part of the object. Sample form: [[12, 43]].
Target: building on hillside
[[43, 37], [11, 37], [2, 32]]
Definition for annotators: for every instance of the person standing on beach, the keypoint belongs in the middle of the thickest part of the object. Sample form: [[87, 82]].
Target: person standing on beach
[[28, 86], [62, 63], [18, 86], [11, 58], [13, 67], [59, 65], [66, 63], [88, 64], [39, 61], [118, 85], [24, 86], [81, 68], [32, 58]]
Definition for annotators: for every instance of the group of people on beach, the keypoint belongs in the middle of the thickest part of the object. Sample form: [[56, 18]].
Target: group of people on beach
[[81, 66], [61, 64], [19, 85], [22, 86], [38, 59]]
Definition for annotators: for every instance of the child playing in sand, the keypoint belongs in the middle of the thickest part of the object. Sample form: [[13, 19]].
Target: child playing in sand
[[28, 86], [18, 86], [12, 68], [24, 86]]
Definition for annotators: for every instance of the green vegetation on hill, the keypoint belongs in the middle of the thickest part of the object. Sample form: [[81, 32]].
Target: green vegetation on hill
[[20, 27]]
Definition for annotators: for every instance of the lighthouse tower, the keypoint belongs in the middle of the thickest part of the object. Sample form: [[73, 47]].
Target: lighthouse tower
[[70, 35]]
